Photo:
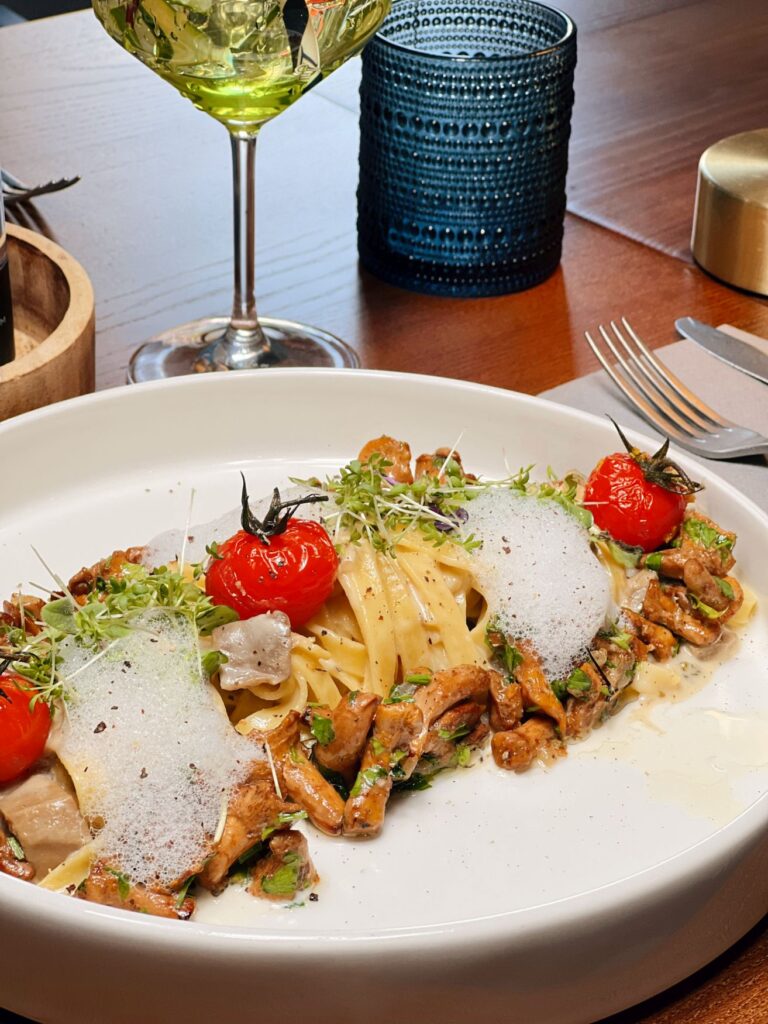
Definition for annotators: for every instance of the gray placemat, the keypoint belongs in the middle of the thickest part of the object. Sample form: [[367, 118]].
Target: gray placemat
[[733, 394]]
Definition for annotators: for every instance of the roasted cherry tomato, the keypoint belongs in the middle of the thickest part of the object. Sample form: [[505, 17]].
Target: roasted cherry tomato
[[628, 506], [23, 731], [278, 565], [293, 572]]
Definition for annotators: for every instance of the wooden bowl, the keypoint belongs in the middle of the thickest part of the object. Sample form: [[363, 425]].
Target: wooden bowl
[[53, 315]]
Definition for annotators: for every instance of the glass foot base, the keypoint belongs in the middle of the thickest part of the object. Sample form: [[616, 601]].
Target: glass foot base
[[195, 348]]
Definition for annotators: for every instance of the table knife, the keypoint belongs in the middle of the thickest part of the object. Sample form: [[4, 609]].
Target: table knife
[[737, 353]]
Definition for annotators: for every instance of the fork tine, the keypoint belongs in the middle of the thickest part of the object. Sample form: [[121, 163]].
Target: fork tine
[[666, 428], [637, 375], [674, 382], [662, 395]]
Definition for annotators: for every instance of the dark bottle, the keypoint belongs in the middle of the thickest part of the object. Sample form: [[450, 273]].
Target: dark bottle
[[6, 313]]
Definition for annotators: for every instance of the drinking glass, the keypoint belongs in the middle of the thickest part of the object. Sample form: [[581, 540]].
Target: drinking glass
[[242, 62], [465, 117]]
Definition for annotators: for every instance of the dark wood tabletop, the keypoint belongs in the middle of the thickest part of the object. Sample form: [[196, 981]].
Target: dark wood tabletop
[[657, 82]]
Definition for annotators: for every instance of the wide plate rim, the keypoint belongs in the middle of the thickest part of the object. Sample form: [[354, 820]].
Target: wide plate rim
[[652, 883]]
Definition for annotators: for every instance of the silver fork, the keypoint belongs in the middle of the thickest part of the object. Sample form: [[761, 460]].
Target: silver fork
[[16, 191], [661, 398]]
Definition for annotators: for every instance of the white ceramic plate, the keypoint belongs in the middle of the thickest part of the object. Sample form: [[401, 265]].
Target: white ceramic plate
[[556, 897]]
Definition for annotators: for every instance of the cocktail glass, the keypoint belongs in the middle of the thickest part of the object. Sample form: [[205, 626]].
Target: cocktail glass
[[242, 62]]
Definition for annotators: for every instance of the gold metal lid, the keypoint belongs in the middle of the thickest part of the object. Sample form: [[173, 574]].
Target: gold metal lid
[[730, 224]]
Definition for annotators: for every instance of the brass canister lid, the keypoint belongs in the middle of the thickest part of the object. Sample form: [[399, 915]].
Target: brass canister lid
[[730, 224]]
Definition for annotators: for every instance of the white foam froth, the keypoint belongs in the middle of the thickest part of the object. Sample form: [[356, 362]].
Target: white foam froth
[[149, 748], [540, 576], [166, 547]]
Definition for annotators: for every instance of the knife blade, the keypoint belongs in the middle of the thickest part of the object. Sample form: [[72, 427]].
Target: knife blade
[[737, 353]]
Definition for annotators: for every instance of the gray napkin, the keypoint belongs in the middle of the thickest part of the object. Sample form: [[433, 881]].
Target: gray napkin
[[733, 394]]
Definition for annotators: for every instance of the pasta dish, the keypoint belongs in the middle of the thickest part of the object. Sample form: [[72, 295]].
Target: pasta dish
[[175, 717]]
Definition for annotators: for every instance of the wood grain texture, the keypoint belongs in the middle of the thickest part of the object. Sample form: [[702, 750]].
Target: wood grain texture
[[652, 93], [53, 312], [150, 221]]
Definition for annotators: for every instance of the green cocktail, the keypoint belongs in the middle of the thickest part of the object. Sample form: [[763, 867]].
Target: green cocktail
[[242, 62]]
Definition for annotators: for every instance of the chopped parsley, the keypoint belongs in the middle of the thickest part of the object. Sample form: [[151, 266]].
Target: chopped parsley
[[16, 848], [706, 610], [368, 778], [123, 884], [578, 684], [503, 652], [212, 662], [725, 587], [284, 881], [707, 536], [322, 729], [451, 735], [283, 819]]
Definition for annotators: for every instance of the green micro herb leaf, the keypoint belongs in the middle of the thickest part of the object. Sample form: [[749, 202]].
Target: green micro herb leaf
[[283, 819], [451, 735], [577, 684], [212, 549], [184, 890], [322, 729], [725, 588], [60, 615], [211, 618], [626, 556], [416, 782], [212, 662], [506, 653], [368, 778], [16, 848], [284, 881], [123, 884], [706, 610], [653, 561], [707, 536], [463, 755], [419, 678]]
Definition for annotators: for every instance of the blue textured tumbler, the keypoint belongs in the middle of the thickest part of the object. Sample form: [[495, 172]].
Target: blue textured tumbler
[[464, 128]]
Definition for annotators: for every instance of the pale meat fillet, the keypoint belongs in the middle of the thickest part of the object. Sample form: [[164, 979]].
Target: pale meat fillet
[[42, 812], [351, 721], [285, 871], [254, 807], [258, 650], [107, 886]]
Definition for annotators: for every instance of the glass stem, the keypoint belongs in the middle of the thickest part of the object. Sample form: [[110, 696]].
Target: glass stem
[[244, 344]]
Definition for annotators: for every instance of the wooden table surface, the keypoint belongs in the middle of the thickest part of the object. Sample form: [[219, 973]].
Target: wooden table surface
[[657, 82]]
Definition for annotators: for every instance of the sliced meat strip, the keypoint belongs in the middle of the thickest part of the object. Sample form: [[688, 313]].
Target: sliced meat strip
[[431, 464], [517, 749], [660, 640], [449, 687], [254, 808], [459, 728], [84, 581], [397, 453], [285, 871], [506, 704], [397, 740], [306, 786], [43, 814], [536, 691], [106, 885], [351, 721], [669, 606], [584, 711]]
